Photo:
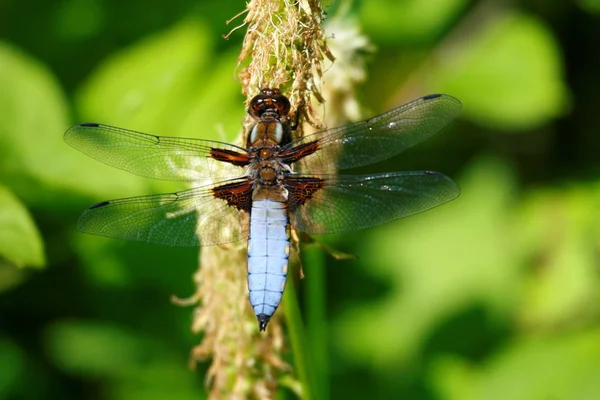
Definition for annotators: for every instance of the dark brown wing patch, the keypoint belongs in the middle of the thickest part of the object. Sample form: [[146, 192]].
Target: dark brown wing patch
[[301, 189], [237, 194]]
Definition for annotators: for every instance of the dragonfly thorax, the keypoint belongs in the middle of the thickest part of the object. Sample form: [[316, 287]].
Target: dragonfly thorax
[[268, 133], [266, 168], [268, 176], [266, 153]]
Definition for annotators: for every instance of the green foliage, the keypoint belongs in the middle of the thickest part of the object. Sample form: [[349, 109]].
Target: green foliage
[[130, 88], [12, 364], [20, 241], [33, 109], [559, 226], [592, 6], [391, 22], [509, 75], [138, 366], [559, 367]]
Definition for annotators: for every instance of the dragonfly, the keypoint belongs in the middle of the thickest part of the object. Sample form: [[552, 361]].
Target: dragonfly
[[275, 183]]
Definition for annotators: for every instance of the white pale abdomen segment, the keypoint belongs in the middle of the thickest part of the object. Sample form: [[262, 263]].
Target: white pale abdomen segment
[[268, 253]]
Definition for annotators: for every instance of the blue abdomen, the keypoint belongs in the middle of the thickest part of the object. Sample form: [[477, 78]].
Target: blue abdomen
[[268, 253]]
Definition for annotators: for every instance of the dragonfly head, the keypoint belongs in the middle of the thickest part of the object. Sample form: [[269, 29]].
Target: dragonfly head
[[269, 104]]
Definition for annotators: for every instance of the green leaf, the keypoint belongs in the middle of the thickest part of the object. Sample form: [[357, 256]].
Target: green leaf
[[100, 262], [559, 235], [560, 367], [509, 76], [81, 347], [80, 20], [12, 365], [33, 110], [155, 85], [20, 241], [132, 365], [408, 21], [591, 6]]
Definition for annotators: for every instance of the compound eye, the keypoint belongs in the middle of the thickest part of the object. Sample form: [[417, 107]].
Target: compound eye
[[283, 104], [257, 105], [269, 100]]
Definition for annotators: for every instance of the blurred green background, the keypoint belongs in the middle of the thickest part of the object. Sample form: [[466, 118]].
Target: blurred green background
[[493, 296]]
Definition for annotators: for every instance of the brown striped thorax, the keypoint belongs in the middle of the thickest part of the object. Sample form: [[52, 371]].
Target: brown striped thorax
[[271, 131]]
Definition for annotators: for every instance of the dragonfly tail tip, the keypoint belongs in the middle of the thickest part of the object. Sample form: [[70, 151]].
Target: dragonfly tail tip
[[263, 320]]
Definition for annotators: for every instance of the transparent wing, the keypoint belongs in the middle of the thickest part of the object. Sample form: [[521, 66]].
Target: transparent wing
[[352, 202], [157, 157], [378, 138], [172, 219]]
